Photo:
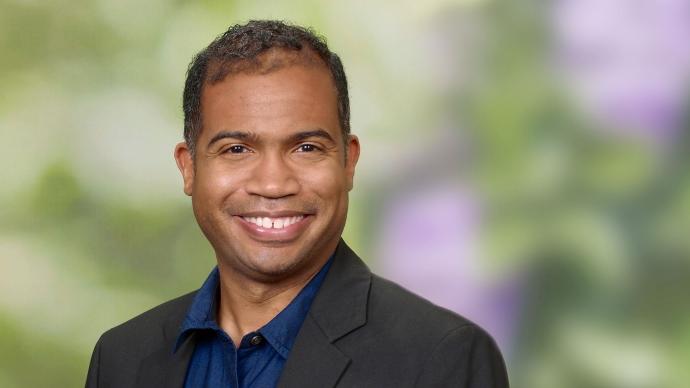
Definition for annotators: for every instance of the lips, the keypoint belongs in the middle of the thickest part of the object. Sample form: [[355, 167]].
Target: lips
[[274, 222], [275, 227]]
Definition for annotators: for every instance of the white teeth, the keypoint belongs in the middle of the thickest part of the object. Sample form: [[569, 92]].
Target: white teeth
[[273, 223]]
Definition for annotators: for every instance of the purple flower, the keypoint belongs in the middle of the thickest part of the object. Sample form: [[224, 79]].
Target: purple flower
[[429, 244], [627, 63]]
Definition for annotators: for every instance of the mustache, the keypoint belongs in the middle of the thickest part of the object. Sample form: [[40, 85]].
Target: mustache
[[272, 205]]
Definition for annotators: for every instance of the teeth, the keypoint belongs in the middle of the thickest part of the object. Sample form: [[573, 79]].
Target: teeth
[[273, 223]]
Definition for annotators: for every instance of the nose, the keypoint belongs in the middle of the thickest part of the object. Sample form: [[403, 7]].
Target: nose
[[273, 178]]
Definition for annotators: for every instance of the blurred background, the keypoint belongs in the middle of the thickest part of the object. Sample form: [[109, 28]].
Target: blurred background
[[524, 163]]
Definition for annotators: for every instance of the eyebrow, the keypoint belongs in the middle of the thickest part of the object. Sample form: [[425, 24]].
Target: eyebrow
[[299, 136], [322, 133], [239, 135]]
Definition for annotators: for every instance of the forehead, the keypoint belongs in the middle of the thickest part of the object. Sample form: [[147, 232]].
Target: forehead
[[293, 97]]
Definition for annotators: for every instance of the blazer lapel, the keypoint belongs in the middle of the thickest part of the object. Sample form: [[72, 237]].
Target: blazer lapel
[[339, 308], [313, 362], [163, 368]]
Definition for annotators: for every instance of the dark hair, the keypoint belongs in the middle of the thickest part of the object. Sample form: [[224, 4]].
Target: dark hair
[[239, 50]]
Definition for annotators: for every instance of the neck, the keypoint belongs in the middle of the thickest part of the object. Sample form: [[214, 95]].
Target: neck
[[246, 305]]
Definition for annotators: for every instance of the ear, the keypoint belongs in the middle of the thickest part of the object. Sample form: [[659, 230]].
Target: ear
[[185, 162], [351, 161]]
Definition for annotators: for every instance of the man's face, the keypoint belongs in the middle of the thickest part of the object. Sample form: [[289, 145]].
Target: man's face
[[270, 179]]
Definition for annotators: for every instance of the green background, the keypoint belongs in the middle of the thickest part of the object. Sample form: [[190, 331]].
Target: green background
[[94, 227]]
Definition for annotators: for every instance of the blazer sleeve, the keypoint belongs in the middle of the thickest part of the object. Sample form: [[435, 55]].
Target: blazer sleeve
[[467, 357], [92, 375]]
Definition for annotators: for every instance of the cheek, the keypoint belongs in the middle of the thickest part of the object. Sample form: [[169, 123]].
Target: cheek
[[215, 182], [327, 183]]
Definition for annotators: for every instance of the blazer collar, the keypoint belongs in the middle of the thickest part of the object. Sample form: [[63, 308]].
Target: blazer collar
[[339, 308]]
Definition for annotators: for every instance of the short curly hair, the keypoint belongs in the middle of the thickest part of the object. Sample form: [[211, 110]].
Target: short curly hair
[[240, 49]]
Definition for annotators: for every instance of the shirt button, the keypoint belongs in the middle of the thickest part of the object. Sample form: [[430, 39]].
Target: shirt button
[[256, 340]]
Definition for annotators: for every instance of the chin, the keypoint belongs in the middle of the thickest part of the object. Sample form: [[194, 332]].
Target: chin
[[267, 264]]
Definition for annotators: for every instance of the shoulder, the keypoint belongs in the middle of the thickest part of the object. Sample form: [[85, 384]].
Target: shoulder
[[133, 340], [388, 299], [120, 350], [408, 314], [439, 345], [150, 323]]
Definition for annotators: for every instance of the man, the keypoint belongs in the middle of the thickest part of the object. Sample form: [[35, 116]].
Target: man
[[269, 160]]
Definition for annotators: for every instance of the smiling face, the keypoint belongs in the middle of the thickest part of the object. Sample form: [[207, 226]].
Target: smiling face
[[270, 179]]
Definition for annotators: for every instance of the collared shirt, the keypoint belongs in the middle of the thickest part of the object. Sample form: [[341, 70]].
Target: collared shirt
[[259, 360]]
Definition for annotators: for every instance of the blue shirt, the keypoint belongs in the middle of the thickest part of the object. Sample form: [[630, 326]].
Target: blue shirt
[[259, 360]]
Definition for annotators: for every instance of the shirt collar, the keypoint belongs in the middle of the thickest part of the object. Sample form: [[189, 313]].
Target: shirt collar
[[280, 332]]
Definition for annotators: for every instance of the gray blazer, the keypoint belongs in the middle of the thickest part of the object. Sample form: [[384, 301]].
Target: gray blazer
[[361, 331]]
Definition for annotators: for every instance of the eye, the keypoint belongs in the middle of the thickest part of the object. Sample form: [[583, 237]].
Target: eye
[[307, 148], [236, 149]]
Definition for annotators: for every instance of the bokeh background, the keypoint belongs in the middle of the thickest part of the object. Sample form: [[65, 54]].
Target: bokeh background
[[524, 163]]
